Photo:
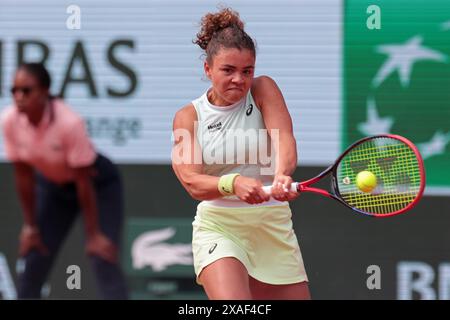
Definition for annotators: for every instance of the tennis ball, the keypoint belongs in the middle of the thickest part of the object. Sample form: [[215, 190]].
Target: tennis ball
[[366, 181]]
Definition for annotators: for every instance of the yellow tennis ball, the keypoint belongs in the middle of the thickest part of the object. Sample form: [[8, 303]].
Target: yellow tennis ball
[[366, 181]]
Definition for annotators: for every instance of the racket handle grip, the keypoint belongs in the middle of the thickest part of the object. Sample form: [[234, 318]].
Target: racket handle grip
[[268, 189]]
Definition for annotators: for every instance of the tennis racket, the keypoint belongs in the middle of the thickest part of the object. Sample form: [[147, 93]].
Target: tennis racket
[[391, 161]]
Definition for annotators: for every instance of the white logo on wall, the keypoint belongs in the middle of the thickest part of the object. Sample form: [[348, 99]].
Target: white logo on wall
[[418, 280], [401, 59], [149, 249]]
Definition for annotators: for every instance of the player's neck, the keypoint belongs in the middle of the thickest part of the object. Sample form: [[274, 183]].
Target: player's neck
[[37, 115]]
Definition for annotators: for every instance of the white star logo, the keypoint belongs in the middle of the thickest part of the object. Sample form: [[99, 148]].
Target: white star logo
[[435, 146], [374, 124], [402, 57], [446, 26]]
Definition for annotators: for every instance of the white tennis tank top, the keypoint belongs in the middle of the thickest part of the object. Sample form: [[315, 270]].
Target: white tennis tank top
[[234, 139]]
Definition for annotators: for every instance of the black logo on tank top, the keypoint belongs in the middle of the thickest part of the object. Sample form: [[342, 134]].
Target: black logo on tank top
[[249, 110], [213, 247], [215, 127]]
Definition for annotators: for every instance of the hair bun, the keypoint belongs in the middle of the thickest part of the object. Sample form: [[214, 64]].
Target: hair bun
[[212, 23]]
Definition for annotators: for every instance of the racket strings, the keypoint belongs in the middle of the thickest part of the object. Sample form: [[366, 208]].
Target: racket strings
[[397, 170], [392, 200]]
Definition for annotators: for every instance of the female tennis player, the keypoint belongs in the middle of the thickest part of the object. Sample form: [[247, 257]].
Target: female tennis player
[[244, 245], [57, 173]]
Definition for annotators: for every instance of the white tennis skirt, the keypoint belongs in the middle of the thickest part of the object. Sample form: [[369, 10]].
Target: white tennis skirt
[[261, 237]]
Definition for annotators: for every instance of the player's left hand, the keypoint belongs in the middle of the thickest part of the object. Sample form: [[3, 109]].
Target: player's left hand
[[281, 188], [99, 245]]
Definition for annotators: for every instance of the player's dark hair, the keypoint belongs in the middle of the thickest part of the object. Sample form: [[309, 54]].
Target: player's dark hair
[[223, 29], [39, 71]]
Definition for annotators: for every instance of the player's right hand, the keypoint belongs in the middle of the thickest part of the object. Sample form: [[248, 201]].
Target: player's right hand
[[249, 190], [98, 244], [29, 239]]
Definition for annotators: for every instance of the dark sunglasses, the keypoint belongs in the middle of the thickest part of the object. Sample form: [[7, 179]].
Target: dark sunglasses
[[25, 90]]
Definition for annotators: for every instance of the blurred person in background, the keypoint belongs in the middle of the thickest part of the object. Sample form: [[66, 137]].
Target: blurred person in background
[[57, 174]]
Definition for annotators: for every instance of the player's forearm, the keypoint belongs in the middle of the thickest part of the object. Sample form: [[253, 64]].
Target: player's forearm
[[202, 186], [286, 151], [87, 200]]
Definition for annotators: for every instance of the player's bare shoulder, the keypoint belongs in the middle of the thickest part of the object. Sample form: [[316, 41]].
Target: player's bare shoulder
[[185, 117], [262, 87]]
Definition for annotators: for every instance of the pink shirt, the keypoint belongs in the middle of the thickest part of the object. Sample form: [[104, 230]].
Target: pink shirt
[[55, 147]]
